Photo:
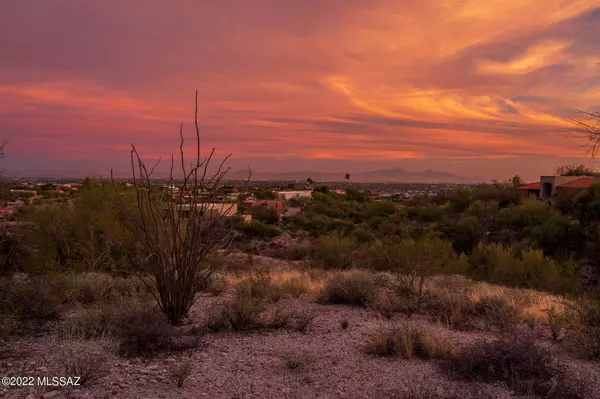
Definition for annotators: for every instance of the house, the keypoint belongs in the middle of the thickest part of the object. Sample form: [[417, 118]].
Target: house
[[210, 209], [550, 186], [276, 205], [288, 195]]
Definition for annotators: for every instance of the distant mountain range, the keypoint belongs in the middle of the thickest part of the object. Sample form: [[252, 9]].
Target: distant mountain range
[[396, 175]]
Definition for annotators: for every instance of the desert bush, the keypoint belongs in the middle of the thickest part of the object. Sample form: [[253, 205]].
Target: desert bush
[[558, 323], [584, 338], [408, 343], [302, 320], [356, 287], [259, 286], [264, 214], [180, 371], [88, 360], [485, 260], [333, 251], [143, 331], [31, 299], [93, 287], [531, 269], [284, 316], [518, 361], [497, 312], [239, 314], [296, 287], [344, 324], [295, 360], [454, 309], [96, 321], [385, 303], [258, 229], [214, 285]]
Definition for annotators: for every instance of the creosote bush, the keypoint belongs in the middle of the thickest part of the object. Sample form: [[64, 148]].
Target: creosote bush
[[408, 343]]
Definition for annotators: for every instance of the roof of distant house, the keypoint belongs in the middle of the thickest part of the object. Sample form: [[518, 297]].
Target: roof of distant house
[[584, 182], [531, 186]]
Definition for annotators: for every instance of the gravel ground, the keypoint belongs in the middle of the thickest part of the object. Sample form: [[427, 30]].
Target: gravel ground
[[253, 365]]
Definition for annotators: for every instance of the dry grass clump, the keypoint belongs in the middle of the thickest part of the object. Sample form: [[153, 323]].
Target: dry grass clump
[[180, 371], [239, 314], [518, 361], [296, 287], [295, 360], [88, 360], [355, 287], [243, 314], [408, 343], [96, 321], [385, 303], [259, 286], [455, 310], [93, 287]]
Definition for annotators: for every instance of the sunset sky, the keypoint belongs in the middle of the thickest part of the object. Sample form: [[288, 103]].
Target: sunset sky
[[483, 89]]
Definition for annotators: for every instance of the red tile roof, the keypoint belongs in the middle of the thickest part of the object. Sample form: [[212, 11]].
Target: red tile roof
[[531, 186], [584, 182]]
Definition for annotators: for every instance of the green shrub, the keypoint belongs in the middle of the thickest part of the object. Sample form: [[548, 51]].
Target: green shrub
[[256, 228], [333, 251], [486, 260], [264, 214]]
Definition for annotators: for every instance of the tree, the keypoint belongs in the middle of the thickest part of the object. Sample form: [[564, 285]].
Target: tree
[[516, 181], [589, 130], [574, 170], [179, 251]]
